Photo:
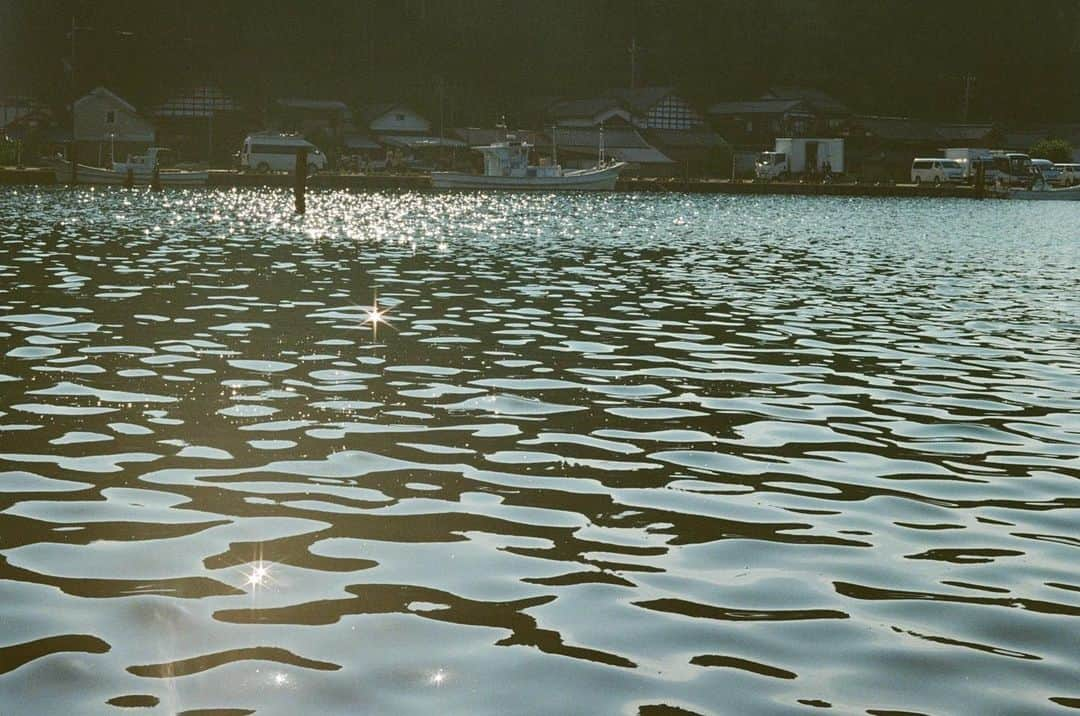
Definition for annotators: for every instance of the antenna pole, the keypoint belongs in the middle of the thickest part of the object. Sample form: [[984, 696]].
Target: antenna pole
[[969, 80]]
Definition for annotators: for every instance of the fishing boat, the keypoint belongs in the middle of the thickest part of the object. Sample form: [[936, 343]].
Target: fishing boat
[[137, 170], [506, 166], [1041, 190]]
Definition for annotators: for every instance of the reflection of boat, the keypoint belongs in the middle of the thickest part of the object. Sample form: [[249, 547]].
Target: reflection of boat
[[506, 166], [138, 168]]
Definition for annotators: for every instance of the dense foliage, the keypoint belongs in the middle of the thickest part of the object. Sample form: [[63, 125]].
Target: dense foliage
[[1056, 150], [477, 58]]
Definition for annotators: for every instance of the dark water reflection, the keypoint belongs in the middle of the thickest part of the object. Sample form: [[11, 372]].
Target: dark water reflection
[[602, 454]]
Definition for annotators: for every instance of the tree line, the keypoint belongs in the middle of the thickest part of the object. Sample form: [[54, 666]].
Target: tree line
[[475, 59]]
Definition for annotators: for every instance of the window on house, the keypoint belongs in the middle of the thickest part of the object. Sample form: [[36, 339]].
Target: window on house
[[110, 117], [400, 116]]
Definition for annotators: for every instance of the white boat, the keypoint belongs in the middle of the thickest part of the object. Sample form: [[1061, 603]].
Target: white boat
[[1040, 190], [138, 169], [506, 166]]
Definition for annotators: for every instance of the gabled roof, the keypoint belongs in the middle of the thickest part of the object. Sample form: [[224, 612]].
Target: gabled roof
[[582, 108], [102, 93], [480, 136], [759, 106], [370, 112], [413, 141], [323, 105], [819, 99], [964, 132], [639, 99], [590, 137], [624, 143], [697, 138], [899, 129]]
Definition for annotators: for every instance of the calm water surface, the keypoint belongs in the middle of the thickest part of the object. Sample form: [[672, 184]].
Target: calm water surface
[[591, 455]]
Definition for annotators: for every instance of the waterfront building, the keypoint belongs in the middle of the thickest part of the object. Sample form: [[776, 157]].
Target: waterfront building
[[882, 148], [406, 136], [830, 114], [107, 126], [757, 123], [657, 108], [202, 123]]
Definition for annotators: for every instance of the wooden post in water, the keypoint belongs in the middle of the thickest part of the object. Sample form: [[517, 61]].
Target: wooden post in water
[[129, 180], [300, 180], [155, 179], [73, 156], [980, 181]]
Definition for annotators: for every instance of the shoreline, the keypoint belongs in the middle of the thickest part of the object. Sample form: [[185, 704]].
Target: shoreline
[[38, 176]]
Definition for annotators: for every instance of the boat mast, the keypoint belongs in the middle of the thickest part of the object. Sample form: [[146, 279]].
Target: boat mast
[[554, 145], [600, 159]]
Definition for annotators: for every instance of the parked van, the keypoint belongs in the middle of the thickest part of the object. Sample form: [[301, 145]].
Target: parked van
[[272, 152], [1049, 172], [1070, 174], [936, 170]]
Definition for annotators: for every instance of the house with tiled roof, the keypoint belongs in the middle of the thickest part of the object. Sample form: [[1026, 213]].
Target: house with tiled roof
[[755, 124], [202, 122], [657, 107]]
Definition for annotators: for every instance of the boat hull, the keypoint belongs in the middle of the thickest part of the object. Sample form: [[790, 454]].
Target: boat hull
[[585, 180], [97, 175], [1070, 194]]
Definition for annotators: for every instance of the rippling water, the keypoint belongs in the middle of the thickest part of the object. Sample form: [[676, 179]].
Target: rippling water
[[487, 454]]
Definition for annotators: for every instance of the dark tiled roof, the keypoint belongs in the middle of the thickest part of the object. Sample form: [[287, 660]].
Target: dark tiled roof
[[370, 112], [900, 129], [639, 99], [581, 108], [964, 132], [815, 97], [757, 106], [322, 105], [686, 138]]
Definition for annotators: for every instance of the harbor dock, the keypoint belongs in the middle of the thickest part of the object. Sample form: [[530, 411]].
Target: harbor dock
[[419, 182]]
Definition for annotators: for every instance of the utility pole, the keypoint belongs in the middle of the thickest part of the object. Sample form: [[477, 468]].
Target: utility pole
[[634, 49], [969, 80]]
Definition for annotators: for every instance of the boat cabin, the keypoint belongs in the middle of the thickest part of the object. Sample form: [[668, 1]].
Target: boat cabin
[[511, 159], [159, 157]]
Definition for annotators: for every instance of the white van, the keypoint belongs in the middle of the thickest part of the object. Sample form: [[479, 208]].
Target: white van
[[272, 152], [936, 171]]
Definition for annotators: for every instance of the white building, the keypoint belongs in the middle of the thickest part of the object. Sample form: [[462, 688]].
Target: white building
[[391, 118], [108, 126]]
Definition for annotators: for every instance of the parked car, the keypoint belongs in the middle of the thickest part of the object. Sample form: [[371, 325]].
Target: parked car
[[274, 152], [1049, 172], [1070, 174], [936, 170]]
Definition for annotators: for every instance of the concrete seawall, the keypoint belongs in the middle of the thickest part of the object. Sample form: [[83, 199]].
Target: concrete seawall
[[417, 182]]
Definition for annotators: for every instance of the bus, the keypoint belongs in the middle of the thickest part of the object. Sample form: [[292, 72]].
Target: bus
[[275, 152]]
